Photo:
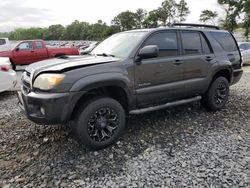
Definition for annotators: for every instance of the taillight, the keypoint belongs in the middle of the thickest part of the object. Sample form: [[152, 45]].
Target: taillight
[[5, 68]]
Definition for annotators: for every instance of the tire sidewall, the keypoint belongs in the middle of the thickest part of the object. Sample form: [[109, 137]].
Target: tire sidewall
[[82, 121], [212, 92]]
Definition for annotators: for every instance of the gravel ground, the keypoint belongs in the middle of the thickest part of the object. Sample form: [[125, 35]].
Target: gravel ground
[[184, 146]]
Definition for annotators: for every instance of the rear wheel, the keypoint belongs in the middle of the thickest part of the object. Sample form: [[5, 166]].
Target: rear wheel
[[99, 123], [217, 94]]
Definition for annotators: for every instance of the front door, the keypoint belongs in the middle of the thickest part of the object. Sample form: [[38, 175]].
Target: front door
[[24, 53], [160, 79]]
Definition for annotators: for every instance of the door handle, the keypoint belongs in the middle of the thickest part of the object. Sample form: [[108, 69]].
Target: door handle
[[177, 62], [208, 58], [32, 51]]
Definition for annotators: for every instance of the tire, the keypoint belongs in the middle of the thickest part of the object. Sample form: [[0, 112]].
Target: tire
[[217, 95], [99, 123], [59, 55], [13, 65]]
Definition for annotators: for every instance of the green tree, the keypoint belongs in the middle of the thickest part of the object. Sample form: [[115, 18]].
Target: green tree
[[140, 16], [170, 11], [55, 32], [182, 10], [246, 24], [208, 15], [98, 31], [125, 20], [167, 11], [152, 19], [76, 30], [233, 10]]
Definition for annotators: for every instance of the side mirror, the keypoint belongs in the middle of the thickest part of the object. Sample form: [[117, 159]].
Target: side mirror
[[150, 51], [17, 49]]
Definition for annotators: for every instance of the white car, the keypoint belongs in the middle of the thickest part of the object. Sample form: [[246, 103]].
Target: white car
[[8, 77], [4, 44], [245, 51]]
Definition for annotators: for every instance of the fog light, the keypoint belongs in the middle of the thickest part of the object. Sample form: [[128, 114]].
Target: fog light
[[42, 111]]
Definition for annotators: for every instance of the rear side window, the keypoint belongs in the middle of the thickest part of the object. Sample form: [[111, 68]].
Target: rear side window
[[225, 40], [205, 47], [2, 42], [191, 43], [194, 43], [166, 42], [38, 45]]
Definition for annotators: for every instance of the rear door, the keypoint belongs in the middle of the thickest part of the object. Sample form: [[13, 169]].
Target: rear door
[[197, 58], [24, 53], [40, 50], [160, 79]]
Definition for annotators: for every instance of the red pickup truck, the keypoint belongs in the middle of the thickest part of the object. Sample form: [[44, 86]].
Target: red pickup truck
[[30, 51]]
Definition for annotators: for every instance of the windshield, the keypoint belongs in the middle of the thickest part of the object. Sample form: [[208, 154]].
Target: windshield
[[119, 45]]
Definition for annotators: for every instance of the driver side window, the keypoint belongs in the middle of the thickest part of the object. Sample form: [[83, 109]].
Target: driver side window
[[25, 46], [166, 42]]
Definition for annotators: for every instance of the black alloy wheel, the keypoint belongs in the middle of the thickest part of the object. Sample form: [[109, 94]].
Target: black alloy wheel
[[99, 123]]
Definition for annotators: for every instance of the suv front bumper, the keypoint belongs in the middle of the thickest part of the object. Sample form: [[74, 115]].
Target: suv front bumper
[[48, 108]]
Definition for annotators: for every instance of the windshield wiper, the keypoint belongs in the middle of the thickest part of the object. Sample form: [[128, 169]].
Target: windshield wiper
[[106, 55]]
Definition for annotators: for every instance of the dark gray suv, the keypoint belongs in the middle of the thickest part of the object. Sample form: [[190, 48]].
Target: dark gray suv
[[130, 73]]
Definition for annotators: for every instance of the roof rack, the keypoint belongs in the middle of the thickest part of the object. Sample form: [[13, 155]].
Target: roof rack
[[195, 25]]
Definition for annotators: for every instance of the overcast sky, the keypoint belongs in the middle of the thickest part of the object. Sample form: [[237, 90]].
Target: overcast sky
[[42, 13]]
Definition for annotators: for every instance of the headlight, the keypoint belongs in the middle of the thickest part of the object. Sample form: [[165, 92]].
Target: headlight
[[48, 81]]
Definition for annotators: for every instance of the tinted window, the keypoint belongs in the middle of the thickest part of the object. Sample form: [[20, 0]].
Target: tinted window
[[225, 40], [25, 46], [2, 41], [191, 43], [39, 45], [166, 42], [205, 48]]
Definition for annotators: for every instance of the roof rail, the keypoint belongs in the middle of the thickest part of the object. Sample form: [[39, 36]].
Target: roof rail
[[195, 25]]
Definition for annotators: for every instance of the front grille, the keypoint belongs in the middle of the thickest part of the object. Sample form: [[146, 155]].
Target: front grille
[[27, 73], [26, 82]]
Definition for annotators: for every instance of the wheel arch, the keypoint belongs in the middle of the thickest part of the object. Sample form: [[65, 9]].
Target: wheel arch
[[116, 88]]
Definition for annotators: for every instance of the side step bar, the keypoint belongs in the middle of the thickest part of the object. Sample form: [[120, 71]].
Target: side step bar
[[170, 104]]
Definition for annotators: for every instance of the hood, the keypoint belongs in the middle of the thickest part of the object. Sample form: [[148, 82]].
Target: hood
[[67, 63]]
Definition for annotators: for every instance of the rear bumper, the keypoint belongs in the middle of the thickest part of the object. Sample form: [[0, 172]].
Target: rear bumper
[[48, 108], [237, 74]]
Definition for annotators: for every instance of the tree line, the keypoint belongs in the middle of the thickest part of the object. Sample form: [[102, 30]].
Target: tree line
[[237, 15], [170, 11]]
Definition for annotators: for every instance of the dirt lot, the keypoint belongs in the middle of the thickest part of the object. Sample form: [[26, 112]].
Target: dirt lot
[[208, 149]]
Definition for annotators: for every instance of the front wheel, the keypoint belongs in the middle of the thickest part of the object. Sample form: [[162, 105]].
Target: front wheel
[[99, 123], [217, 95]]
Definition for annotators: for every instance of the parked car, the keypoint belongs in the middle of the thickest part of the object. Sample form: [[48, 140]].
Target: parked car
[[132, 72], [4, 44], [245, 52], [8, 77], [30, 51], [89, 49]]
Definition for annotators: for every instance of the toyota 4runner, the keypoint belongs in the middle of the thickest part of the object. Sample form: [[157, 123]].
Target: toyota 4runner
[[131, 72]]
